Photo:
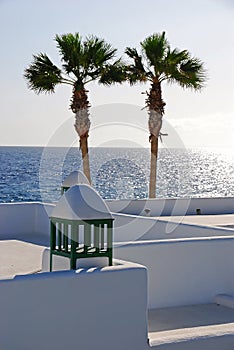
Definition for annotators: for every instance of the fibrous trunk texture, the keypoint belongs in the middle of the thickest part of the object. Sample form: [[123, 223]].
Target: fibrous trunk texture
[[155, 107], [80, 106]]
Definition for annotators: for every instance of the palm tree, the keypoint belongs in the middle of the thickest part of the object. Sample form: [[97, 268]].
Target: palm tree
[[158, 63], [83, 61]]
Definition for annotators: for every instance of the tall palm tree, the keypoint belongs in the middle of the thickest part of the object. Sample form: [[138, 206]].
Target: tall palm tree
[[83, 61], [156, 64]]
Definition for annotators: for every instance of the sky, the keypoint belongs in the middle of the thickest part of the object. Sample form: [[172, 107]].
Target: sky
[[192, 119]]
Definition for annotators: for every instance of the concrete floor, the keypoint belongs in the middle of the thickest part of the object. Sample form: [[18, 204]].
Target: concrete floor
[[186, 323], [17, 257]]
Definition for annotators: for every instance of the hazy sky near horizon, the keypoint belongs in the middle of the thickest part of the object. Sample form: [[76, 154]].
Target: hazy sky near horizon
[[204, 27]]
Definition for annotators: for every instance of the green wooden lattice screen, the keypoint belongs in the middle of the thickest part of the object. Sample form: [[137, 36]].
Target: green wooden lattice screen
[[76, 239]]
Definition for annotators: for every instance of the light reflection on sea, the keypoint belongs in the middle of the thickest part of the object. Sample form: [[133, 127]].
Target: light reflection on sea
[[36, 174]]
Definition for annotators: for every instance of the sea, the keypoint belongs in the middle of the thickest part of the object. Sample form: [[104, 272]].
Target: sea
[[36, 173]]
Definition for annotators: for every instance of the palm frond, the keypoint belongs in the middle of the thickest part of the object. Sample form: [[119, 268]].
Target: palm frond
[[84, 58], [185, 70], [136, 72], [72, 51], [42, 75], [97, 52], [132, 53], [113, 73], [175, 57], [170, 65], [158, 63], [154, 48], [193, 69]]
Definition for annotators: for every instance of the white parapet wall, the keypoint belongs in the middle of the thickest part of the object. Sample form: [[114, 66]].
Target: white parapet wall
[[99, 308], [173, 206], [180, 271], [183, 271], [28, 221], [134, 227]]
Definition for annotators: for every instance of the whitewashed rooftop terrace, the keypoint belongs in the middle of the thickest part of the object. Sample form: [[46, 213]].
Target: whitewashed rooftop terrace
[[198, 324]]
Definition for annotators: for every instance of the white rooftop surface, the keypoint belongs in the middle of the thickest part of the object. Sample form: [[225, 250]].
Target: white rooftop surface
[[81, 202], [185, 323], [226, 220], [74, 178]]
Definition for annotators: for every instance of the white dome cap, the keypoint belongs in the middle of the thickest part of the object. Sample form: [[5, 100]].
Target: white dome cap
[[74, 178], [81, 202]]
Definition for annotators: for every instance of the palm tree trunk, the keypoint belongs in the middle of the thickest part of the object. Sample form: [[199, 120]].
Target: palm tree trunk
[[85, 156], [80, 106], [153, 166], [155, 107]]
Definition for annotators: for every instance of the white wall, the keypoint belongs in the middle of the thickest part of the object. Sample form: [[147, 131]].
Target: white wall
[[26, 221], [133, 227], [184, 271], [42, 213], [30, 222], [180, 271], [98, 309], [173, 206], [16, 218]]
